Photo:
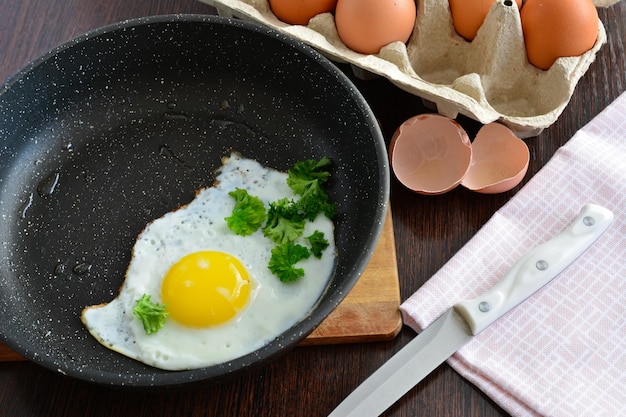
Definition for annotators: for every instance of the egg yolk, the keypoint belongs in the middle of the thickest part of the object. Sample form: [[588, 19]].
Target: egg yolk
[[205, 289]]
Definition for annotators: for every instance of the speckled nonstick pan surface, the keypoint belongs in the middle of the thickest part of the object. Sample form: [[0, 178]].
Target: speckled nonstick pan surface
[[118, 127]]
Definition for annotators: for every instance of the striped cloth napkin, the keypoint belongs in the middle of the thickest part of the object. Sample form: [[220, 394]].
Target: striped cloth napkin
[[563, 351]]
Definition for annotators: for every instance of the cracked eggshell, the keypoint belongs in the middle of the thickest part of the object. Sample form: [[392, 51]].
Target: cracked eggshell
[[430, 154], [499, 160], [488, 79]]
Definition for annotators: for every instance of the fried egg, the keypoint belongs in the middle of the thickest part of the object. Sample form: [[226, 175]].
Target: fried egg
[[222, 300]]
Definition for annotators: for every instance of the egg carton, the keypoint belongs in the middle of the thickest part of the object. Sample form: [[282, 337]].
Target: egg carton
[[488, 79]]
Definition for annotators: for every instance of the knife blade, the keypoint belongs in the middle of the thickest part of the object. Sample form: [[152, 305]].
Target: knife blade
[[466, 319]]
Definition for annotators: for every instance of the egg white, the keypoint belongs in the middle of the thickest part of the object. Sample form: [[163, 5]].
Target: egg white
[[273, 306]]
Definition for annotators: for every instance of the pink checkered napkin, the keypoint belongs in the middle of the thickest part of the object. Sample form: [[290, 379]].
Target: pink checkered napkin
[[563, 351]]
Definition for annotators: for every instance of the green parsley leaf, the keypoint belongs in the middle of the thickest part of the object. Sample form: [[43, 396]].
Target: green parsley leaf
[[152, 315], [284, 221], [318, 243], [310, 205], [283, 259], [309, 176], [248, 214], [306, 179]]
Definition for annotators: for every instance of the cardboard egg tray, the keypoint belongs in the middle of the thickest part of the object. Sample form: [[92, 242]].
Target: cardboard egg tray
[[488, 79]]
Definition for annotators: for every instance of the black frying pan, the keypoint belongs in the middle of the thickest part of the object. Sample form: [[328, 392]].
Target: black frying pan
[[116, 128]]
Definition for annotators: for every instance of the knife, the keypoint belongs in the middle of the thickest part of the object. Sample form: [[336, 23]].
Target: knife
[[466, 319]]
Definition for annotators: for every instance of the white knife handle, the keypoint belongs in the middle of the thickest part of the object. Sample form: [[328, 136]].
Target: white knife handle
[[536, 268]]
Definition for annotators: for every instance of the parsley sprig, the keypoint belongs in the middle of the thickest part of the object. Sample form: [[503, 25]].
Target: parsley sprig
[[248, 214], [283, 260], [285, 219], [152, 315], [318, 243]]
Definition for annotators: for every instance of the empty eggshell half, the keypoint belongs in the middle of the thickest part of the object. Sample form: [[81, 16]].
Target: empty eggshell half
[[430, 154], [499, 160]]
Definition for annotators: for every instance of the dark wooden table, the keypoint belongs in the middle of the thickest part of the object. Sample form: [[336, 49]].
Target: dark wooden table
[[308, 381]]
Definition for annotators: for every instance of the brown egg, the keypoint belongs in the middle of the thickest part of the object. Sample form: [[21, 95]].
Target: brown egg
[[299, 12], [430, 154], [365, 26], [499, 160], [469, 15], [558, 28]]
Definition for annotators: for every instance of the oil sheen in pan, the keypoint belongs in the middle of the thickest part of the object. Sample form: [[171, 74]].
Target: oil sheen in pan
[[76, 170]]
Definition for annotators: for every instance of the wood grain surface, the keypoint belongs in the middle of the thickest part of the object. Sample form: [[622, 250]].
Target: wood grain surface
[[370, 312], [311, 380], [7, 354]]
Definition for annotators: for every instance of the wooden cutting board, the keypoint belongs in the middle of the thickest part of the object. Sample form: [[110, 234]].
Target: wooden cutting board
[[370, 312]]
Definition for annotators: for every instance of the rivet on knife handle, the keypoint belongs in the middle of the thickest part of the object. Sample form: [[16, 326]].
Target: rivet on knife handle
[[535, 269]]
